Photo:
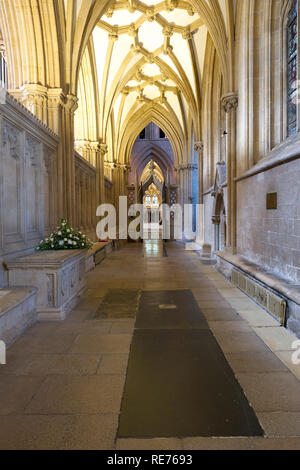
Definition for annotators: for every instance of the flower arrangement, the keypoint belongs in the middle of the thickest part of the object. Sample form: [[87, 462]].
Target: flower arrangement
[[65, 238]]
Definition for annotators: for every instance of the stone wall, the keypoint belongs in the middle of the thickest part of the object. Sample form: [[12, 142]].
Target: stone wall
[[85, 189], [271, 238], [27, 184], [208, 226]]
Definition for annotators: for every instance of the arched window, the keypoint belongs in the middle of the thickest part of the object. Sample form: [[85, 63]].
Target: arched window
[[148, 200], [155, 201], [292, 69], [162, 135], [143, 135]]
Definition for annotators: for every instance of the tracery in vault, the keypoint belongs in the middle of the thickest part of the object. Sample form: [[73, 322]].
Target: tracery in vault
[[145, 58]]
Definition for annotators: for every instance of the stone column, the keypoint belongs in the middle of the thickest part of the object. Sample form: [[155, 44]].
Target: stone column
[[216, 222], [81, 202], [70, 107], [198, 147], [78, 198], [61, 109], [94, 148], [179, 181], [55, 120], [230, 104], [100, 182]]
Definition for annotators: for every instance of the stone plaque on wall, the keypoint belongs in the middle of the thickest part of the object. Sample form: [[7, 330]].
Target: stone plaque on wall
[[272, 201]]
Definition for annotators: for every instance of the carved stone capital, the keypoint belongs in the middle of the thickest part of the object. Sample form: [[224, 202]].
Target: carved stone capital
[[216, 219], [150, 14], [168, 30], [190, 10], [32, 151], [113, 36], [136, 48], [187, 35], [171, 4], [71, 103], [198, 146], [132, 31], [109, 13], [48, 157], [56, 97], [230, 102], [103, 148], [11, 138], [94, 146]]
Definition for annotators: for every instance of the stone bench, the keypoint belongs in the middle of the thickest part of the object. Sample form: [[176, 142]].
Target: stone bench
[[286, 289], [58, 275], [17, 312], [97, 254]]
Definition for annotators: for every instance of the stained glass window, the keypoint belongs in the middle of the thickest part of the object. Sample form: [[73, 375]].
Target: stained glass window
[[155, 201], [292, 84], [148, 201]]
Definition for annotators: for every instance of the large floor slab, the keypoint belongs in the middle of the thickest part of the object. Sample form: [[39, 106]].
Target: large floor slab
[[179, 383]]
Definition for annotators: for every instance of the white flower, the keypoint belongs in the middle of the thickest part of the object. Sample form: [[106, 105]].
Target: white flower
[[74, 243], [52, 246], [41, 242], [59, 233], [68, 230], [70, 242], [65, 239], [61, 243]]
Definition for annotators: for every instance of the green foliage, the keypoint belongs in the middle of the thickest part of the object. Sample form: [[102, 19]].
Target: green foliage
[[65, 238]]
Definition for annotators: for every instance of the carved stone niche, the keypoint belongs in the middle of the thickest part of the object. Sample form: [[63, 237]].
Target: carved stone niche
[[48, 159], [59, 277], [11, 139], [220, 178], [32, 152]]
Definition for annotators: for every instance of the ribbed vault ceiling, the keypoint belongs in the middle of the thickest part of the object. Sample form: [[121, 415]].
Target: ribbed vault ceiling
[[149, 52]]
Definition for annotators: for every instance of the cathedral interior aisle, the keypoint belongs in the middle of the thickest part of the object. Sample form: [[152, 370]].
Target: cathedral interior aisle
[[62, 380]]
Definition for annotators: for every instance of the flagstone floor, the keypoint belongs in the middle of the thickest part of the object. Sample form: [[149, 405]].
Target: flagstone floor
[[63, 383]]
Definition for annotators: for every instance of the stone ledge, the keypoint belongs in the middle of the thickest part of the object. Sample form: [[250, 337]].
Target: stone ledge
[[17, 312], [288, 290], [14, 103], [285, 152], [45, 259], [11, 298]]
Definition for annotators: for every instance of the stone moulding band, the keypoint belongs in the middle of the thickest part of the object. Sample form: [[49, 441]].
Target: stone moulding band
[[286, 152]]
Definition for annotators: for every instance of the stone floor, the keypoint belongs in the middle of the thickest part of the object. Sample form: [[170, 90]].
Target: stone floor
[[63, 383]]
